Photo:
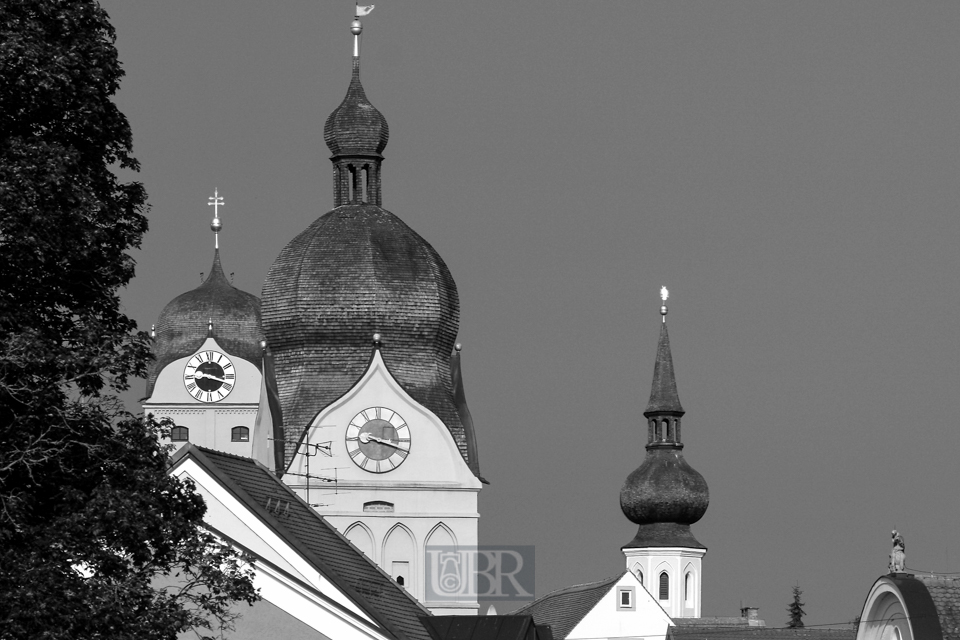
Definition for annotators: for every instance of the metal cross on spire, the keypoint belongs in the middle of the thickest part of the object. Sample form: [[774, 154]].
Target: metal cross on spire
[[216, 202]]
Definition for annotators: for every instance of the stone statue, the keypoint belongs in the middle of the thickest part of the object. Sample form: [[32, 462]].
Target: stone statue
[[897, 555]]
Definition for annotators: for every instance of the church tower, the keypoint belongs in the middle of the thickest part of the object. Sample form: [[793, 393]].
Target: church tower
[[206, 375], [664, 496], [360, 316]]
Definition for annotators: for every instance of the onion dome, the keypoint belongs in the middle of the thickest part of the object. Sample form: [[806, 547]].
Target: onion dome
[[214, 309], [664, 495], [356, 127], [359, 270]]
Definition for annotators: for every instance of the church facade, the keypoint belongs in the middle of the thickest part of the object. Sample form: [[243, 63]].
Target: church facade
[[344, 378]]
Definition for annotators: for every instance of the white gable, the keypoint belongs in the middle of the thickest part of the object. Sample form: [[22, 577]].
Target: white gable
[[643, 617], [283, 576]]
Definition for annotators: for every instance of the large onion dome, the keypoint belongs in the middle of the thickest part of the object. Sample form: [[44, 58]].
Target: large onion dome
[[359, 270], [664, 495], [186, 322]]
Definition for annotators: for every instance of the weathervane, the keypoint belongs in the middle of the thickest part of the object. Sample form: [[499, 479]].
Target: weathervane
[[664, 294], [356, 28], [216, 201]]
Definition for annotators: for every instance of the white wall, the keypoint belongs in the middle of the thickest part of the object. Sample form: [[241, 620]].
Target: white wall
[[677, 563]]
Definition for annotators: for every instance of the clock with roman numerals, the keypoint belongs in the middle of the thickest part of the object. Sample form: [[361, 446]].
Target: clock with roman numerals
[[378, 439], [209, 376]]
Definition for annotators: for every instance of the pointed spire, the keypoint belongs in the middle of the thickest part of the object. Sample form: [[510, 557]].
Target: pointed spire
[[663, 390]]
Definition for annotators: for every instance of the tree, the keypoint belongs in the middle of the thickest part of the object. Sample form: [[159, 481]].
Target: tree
[[96, 540], [795, 609]]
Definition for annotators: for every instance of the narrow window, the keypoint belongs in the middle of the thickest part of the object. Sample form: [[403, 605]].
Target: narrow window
[[179, 434], [664, 586], [400, 580], [365, 179], [240, 434], [687, 580]]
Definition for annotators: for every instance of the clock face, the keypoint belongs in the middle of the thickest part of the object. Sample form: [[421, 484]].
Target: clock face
[[209, 376], [378, 439]]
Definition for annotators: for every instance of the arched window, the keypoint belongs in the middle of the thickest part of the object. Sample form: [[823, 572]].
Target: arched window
[[240, 434], [664, 586], [179, 434], [687, 587]]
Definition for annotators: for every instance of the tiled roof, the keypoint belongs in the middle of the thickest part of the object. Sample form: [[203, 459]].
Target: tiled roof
[[183, 323], [356, 271], [663, 391], [318, 542], [945, 593], [510, 627], [563, 609], [697, 632]]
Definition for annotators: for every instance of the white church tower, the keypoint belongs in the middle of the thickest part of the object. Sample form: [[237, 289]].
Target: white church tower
[[206, 375], [664, 496], [360, 318]]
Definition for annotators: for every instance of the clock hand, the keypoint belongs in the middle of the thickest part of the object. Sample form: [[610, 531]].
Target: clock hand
[[366, 437], [208, 377]]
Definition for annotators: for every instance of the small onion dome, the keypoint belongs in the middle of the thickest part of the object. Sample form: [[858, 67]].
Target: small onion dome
[[356, 127], [356, 271], [665, 495], [184, 323]]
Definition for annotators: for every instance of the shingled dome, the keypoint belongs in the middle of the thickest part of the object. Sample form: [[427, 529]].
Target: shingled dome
[[664, 495], [184, 323], [356, 127], [359, 270]]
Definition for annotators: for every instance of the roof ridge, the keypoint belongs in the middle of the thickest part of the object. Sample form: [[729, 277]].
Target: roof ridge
[[572, 589]]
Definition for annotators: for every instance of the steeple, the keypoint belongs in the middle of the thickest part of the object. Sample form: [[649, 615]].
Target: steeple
[[356, 134], [664, 496]]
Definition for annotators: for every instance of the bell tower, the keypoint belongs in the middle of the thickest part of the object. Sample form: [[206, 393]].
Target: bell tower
[[664, 496]]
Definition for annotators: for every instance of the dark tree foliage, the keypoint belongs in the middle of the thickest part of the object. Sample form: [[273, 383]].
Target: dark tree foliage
[[96, 540], [795, 609]]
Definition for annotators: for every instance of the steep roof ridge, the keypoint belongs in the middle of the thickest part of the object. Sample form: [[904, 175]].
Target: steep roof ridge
[[402, 618], [663, 389], [565, 608]]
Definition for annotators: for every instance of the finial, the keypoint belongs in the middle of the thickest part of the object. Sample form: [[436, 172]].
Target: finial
[[458, 347], [356, 28], [215, 225], [664, 294], [153, 331], [897, 554], [376, 340]]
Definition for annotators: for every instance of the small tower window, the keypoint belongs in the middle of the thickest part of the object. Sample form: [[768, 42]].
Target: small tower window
[[687, 588], [664, 586], [240, 434], [180, 434]]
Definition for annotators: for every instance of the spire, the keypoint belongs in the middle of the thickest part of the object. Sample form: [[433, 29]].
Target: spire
[[356, 134], [663, 390]]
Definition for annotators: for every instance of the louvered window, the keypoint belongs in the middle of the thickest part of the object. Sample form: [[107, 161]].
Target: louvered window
[[664, 586]]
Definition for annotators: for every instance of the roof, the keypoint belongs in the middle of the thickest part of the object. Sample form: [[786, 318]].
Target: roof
[[183, 324], [945, 593], [356, 127], [509, 627], [356, 271], [389, 604], [698, 632], [563, 609], [663, 390]]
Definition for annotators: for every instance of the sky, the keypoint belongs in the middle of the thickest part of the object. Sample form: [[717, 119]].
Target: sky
[[788, 170]]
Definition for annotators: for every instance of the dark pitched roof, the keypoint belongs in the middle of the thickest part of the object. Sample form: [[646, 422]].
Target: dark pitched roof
[[563, 609], [460, 399], [663, 390], [697, 632], [316, 540], [486, 628], [183, 324], [356, 271]]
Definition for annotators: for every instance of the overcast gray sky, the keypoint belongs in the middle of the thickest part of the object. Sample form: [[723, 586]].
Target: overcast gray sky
[[788, 170]]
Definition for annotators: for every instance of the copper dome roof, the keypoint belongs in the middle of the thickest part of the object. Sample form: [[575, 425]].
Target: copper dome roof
[[356, 271], [184, 323]]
